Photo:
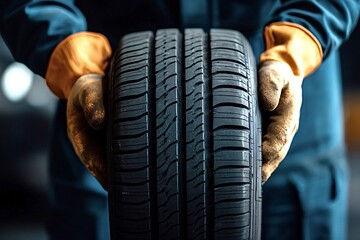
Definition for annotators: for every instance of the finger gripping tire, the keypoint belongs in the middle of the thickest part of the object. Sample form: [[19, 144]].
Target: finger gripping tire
[[184, 137]]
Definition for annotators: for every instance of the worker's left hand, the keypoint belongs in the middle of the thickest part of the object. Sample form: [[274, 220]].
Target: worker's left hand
[[292, 53], [85, 123], [280, 95]]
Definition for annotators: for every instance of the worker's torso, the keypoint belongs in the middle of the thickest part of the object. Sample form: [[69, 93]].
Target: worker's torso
[[115, 18]]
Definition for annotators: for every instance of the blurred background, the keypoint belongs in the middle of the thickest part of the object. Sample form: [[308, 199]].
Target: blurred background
[[350, 51], [26, 112]]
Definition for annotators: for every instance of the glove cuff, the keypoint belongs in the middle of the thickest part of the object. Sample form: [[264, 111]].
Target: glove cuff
[[78, 54], [293, 44]]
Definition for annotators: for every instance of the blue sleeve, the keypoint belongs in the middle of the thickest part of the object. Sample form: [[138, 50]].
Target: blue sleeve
[[33, 28], [331, 21]]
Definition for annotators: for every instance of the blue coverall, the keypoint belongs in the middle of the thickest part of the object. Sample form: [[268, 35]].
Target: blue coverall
[[306, 196]]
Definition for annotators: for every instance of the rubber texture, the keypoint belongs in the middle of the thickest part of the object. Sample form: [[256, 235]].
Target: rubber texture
[[184, 137]]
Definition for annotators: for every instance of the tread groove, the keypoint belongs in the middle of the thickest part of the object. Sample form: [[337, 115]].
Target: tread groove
[[182, 140], [152, 145], [209, 143]]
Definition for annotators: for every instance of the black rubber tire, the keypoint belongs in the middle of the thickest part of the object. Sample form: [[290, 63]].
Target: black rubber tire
[[184, 137]]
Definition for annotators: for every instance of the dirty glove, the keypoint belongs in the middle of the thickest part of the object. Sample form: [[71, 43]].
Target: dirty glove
[[75, 72], [292, 54], [85, 117]]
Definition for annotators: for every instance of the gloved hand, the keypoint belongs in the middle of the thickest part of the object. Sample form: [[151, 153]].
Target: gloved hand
[[85, 118], [280, 94], [75, 73], [292, 54]]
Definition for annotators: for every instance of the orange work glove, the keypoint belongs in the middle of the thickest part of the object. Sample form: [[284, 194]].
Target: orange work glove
[[292, 53], [75, 72]]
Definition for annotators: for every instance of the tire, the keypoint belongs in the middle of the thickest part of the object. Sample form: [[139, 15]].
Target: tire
[[184, 137]]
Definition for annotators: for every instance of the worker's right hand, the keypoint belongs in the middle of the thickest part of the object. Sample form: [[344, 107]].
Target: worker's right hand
[[75, 72], [85, 122]]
